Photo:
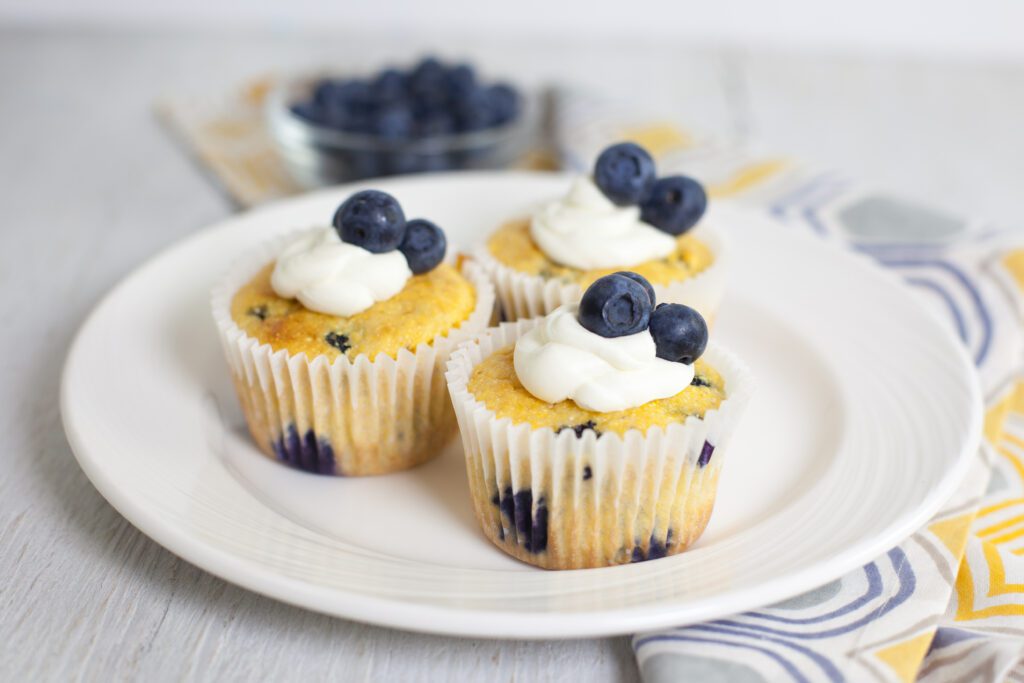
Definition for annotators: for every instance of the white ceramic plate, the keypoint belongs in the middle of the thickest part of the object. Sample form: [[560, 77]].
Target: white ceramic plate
[[865, 413]]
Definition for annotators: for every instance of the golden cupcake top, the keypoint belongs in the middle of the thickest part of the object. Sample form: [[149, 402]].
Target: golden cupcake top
[[371, 283], [512, 246], [620, 216]]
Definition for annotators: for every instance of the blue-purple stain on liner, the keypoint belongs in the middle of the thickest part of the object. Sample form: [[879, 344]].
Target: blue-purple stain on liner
[[705, 454], [306, 453], [580, 428], [587, 472], [656, 549], [531, 525]]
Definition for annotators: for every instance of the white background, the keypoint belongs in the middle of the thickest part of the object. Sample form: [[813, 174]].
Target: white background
[[987, 29]]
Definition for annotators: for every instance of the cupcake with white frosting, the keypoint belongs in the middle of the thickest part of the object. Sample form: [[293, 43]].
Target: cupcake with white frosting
[[337, 339], [595, 435], [621, 217]]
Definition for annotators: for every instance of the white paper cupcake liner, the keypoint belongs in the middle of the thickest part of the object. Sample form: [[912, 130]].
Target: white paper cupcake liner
[[523, 295], [559, 501], [343, 417]]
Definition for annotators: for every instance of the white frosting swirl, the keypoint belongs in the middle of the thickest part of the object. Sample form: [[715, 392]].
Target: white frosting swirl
[[586, 230], [337, 278], [560, 359]]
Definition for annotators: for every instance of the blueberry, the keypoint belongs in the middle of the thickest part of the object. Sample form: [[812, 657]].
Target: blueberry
[[348, 120], [429, 69], [615, 306], [530, 525], [461, 79], [305, 451], [338, 341], [342, 117], [394, 122], [706, 451], [427, 83], [388, 86], [680, 333], [474, 112], [423, 246], [674, 204], [625, 173], [308, 112], [258, 312], [372, 220], [642, 280], [343, 97], [656, 549], [331, 94], [504, 100], [580, 428]]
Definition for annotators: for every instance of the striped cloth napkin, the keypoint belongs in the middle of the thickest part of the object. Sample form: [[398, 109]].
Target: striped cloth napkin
[[948, 603], [945, 605]]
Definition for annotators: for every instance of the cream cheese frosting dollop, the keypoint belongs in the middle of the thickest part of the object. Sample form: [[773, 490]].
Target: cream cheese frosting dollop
[[585, 230], [560, 359], [333, 277]]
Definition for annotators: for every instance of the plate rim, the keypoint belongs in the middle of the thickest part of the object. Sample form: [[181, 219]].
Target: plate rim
[[453, 621]]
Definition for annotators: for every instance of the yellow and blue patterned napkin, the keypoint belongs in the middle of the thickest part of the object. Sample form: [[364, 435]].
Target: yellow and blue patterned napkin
[[948, 603]]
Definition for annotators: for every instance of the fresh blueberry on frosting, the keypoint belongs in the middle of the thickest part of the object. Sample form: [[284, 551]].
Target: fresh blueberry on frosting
[[643, 282], [680, 333], [674, 204], [624, 172], [371, 219], [424, 245], [616, 305]]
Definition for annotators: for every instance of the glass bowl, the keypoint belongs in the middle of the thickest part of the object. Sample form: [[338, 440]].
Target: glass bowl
[[316, 155]]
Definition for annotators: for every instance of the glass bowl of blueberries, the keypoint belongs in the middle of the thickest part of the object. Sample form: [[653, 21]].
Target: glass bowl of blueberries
[[430, 117]]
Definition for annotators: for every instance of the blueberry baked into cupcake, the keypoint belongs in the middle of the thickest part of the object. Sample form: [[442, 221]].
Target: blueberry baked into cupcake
[[595, 436], [337, 339], [621, 217]]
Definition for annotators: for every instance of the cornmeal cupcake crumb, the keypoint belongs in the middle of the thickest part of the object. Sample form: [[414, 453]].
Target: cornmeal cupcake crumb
[[494, 383], [512, 246], [429, 305]]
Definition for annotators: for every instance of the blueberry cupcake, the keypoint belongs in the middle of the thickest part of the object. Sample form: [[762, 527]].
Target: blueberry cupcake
[[622, 217], [595, 436], [337, 339]]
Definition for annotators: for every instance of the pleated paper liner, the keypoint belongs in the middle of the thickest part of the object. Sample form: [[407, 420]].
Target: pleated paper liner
[[559, 501]]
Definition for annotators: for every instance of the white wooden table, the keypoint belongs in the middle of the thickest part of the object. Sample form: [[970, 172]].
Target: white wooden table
[[90, 186]]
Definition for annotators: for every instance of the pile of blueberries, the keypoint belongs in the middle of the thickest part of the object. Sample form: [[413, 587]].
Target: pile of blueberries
[[625, 173], [375, 221], [431, 99], [623, 303]]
